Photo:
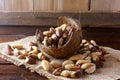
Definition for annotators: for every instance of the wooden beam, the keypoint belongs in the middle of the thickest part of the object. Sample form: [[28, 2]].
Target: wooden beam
[[50, 18]]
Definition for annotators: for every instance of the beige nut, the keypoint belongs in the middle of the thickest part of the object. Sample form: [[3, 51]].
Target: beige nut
[[52, 30], [65, 73], [59, 32], [18, 46], [63, 27], [16, 52], [45, 65], [97, 53], [8, 50], [89, 67], [39, 55], [23, 52], [79, 62], [30, 60], [22, 56], [46, 33], [45, 41], [56, 63], [35, 50], [93, 42], [107, 55], [54, 37], [84, 41], [72, 74], [76, 57], [71, 67], [67, 62], [94, 57]]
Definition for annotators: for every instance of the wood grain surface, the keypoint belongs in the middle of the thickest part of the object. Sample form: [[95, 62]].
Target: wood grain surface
[[87, 19]]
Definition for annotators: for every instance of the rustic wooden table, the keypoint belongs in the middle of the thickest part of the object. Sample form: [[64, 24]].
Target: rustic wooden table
[[103, 36]]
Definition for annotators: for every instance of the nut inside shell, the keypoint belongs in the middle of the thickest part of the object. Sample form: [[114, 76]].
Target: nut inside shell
[[67, 49]]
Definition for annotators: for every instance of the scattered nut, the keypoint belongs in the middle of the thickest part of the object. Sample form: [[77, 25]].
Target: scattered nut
[[35, 50], [94, 57], [45, 65], [52, 30], [77, 73], [30, 60], [16, 52], [63, 26], [79, 62], [54, 37], [45, 41], [17, 46], [32, 43], [39, 55], [57, 71], [46, 33], [8, 50], [59, 32], [93, 42], [71, 67], [76, 57], [22, 56], [89, 67], [65, 73], [67, 62], [56, 63]]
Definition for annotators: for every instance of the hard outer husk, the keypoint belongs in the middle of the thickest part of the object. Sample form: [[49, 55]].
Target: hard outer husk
[[70, 46], [110, 70]]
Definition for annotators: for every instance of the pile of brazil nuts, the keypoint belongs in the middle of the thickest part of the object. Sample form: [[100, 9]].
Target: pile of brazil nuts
[[86, 60], [56, 37]]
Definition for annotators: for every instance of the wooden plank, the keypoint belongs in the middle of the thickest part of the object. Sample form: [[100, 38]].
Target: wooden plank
[[105, 5], [43, 5], [1, 5], [12, 72], [19, 5], [75, 5], [94, 19], [8, 5], [103, 19]]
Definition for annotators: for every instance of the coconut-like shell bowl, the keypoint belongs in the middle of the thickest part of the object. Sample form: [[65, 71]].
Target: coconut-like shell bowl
[[67, 49]]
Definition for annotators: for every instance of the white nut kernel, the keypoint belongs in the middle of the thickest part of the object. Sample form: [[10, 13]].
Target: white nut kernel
[[56, 63], [76, 57], [79, 62], [23, 51], [47, 33], [94, 57], [84, 41], [45, 65], [16, 52], [89, 67], [71, 67], [65, 73], [67, 62], [35, 50], [93, 42], [40, 56]]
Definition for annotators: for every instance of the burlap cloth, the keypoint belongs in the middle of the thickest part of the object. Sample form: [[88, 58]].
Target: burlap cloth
[[110, 71]]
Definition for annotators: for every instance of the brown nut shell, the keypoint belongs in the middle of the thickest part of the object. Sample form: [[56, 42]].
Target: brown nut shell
[[70, 46]]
